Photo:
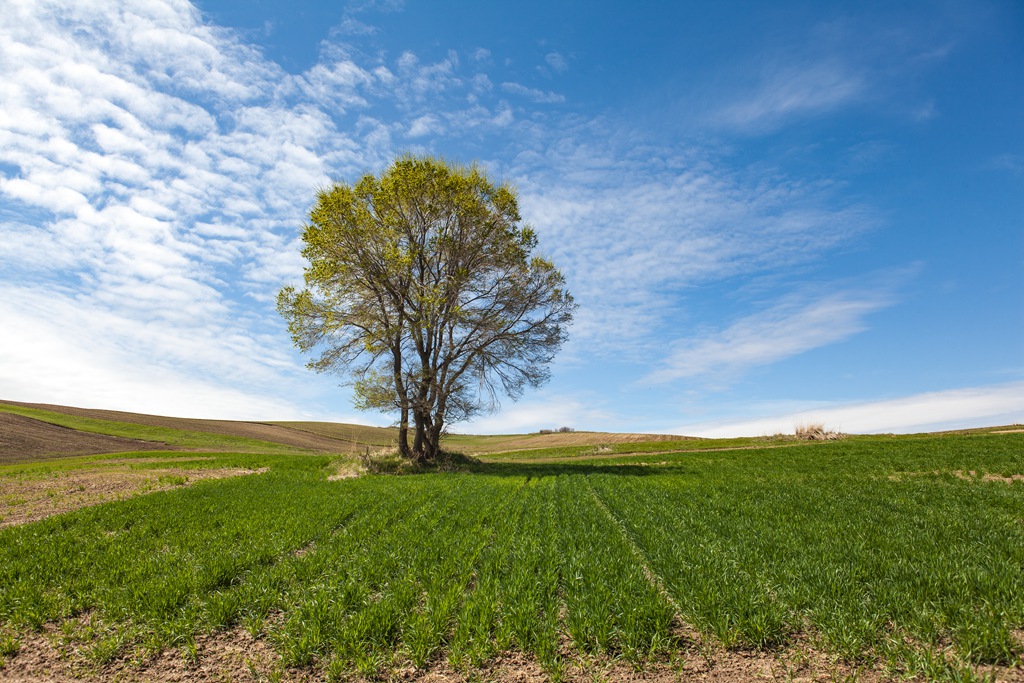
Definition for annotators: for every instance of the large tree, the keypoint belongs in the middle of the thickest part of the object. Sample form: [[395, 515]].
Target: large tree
[[422, 288]]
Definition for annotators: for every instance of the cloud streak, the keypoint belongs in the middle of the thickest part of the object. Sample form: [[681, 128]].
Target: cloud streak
[[637, 229], [532, 94], [924, 412], [787, 92], [787, 329]]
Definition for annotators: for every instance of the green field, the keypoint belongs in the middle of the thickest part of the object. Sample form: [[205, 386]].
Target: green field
[[902, 556]]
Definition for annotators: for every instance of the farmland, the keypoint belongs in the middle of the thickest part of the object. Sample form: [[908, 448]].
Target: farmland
[[866, 558]]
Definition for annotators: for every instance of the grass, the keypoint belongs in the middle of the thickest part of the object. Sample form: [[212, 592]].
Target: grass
[[606, 450], [502, 443], [874, 550]]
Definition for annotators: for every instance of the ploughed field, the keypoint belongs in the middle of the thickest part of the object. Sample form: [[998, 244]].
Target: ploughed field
[[868, 557]]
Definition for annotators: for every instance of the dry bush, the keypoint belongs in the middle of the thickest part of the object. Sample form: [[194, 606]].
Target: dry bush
[[816, 432]]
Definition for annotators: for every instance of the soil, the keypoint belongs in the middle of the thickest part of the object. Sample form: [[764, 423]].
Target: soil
[[235, 655], [969, 475], [27, 499], [251, 430], [23, 439]]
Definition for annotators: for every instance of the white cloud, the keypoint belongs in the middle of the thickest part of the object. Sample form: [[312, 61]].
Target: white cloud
[[931, 411], [162, 167], [156, 171], [545, 412], [785, 330], [793, 91], [425, 125], [557, 62], [533, 94], [636, 226], [58, 348], [157, 217]]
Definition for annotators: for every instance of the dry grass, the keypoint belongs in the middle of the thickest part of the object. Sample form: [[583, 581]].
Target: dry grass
[[816, 432], [27, 499]]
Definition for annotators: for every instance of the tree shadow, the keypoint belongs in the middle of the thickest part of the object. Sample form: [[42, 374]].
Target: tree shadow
[[534, 470]]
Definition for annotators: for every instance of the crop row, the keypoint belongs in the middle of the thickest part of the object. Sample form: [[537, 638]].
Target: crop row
[[919, 569]]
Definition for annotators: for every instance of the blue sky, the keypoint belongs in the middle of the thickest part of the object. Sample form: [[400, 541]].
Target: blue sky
[[769, 213]]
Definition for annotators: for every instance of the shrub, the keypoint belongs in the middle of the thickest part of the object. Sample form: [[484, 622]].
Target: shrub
[[816, 432]]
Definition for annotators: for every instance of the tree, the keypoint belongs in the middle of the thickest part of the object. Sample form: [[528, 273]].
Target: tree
[[421, 287]]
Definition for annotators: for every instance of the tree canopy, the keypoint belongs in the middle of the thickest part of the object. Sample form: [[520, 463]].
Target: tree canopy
[[423, 289]]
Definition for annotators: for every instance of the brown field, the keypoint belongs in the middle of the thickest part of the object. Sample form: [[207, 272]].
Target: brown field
[[23, 439], [276, 433], [358, 436]]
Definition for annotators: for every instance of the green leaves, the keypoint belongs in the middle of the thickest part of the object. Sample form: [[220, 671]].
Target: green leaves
[[421, 278]]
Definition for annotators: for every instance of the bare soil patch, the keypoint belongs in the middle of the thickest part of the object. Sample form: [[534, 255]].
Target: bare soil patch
[[225, 656], [965, 475], [27, 499], [235, 655], [23, 439], [251, 430], [972, 475]]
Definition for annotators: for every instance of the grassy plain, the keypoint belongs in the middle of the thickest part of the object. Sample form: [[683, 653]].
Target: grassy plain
[[884, 557]]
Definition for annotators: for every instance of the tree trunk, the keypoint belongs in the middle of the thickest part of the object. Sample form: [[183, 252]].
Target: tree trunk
[[403, 399], [434, 439], [419, 440], [403, 434]]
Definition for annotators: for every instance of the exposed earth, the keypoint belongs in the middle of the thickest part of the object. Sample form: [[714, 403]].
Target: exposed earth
[[236, 655], [251, 430], [30, 498], [24, 439]]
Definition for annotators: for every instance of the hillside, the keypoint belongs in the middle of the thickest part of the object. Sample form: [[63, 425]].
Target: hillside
[[35, 431], [75, 431]]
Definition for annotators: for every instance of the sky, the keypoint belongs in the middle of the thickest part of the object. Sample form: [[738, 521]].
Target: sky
[[770, 214]]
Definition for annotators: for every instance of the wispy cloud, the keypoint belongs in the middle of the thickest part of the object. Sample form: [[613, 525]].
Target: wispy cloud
[[789, 328], [636, 226], [791, 91], [425, 125], [557, 62], [153, 172], [932, 411], [533, 94], [86, 353], [835, 65], [548, 411]]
